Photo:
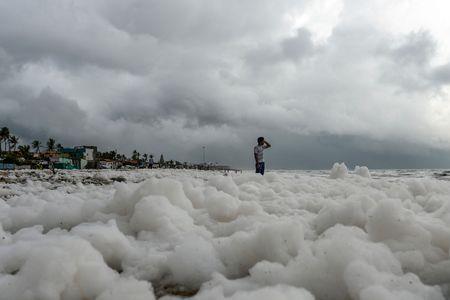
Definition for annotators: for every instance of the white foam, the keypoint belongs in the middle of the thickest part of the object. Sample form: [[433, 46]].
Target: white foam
[[362, 171], [285, 235], [338, 171]]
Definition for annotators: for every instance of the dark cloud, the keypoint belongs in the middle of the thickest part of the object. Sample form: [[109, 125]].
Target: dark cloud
[[441, 74], [170, 76], [409, 62], [71, 35], [320, 152], [197, 21], [298, 46], [290, 49], [43, 115], [293, 151], [417, 48]]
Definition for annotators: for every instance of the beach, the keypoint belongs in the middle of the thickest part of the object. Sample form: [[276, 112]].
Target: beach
[[144, 234]]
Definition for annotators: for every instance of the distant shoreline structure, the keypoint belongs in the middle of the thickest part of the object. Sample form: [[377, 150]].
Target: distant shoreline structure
[[14, 156]]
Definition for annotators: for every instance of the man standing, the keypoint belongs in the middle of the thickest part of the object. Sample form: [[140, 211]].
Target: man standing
[[151, 162], [259, 157]]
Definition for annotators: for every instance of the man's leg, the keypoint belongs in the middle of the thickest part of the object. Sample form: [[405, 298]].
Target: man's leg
[[260, 168]]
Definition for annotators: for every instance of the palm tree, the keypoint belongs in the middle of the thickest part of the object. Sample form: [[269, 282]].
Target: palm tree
[[36, 145], [51, 144], [135, 155], [24, 150], [13, 141], [4, 135]]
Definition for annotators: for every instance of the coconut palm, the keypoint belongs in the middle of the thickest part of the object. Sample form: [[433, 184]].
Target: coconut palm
[[24, 150], [135, 155], [36, 145], [13, 141], [4, 136], [51, 144]]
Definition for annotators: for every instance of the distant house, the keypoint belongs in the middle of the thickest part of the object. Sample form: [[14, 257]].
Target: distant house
[[4, 166], [89, 157], [50, 154], [131, 163], [64, 163], [82, 157], [109, 164], [90, 152]]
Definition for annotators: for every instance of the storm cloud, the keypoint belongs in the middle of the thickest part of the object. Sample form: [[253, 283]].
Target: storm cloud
[[324, 80]]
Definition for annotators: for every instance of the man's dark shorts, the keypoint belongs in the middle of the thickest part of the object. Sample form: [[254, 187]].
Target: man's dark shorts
[[260, 168]]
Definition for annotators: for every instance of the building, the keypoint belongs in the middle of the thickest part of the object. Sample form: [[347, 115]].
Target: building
[[131, 163], [89, 157], [82, 157], [109, 164], [5, 166]]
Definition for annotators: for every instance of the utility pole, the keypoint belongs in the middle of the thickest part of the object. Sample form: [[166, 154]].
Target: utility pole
[[204, 155]]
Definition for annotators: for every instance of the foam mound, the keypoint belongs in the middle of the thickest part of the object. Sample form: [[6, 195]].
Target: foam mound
[[171, 235]]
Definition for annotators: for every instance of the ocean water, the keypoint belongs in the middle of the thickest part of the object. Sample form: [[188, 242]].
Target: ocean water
[[443, 174]]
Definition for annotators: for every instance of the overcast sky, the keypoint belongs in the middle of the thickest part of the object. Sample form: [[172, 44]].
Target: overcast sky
[[365, 82]]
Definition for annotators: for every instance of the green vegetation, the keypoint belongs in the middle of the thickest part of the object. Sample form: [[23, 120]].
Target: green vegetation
[[11, 152], [36, 146], [4, 137], [51, 144]]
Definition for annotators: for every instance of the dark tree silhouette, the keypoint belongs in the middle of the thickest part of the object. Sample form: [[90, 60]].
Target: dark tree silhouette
[[36, 146], [4, 136], [13, 141], [51, 144]]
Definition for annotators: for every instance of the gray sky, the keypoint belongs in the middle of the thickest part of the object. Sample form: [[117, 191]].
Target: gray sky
[[365, 82]]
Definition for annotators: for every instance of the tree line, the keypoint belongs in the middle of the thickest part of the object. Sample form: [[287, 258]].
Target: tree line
[[10, 142]]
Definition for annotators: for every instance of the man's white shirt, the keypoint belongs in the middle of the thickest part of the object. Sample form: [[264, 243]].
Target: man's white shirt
[[258, 150]]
